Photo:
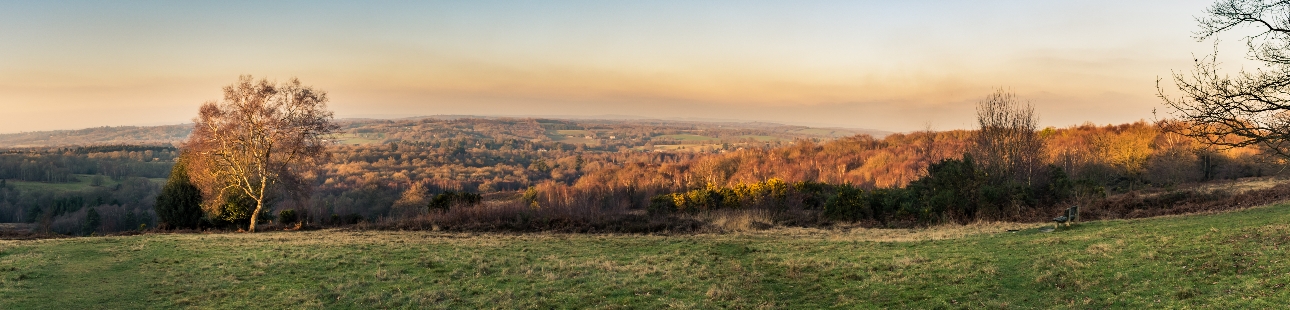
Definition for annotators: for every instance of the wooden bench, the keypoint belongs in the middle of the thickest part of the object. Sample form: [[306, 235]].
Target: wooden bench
[[1071, 215]]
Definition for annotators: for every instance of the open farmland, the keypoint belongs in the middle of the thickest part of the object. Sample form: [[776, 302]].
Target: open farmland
[[575, 133], [83, 182], [696, 138], [358, 139], [1235, 259], [760, 138], [573, 136]]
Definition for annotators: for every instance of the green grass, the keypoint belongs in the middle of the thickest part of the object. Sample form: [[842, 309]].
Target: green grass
[[578, 133], [687, 147], [578, 136], [353, 139], [83, 182], [574, 140], [1231, 260]]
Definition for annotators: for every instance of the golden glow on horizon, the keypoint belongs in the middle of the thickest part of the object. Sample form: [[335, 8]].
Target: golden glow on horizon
[[834, 71]]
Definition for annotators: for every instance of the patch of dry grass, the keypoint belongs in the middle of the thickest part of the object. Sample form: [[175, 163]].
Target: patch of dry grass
[[1242, 185], [857, 233], [728, 220]]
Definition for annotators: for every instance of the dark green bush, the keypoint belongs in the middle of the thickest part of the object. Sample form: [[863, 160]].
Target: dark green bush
[[347, 219], [237, 207], [530, 196], [350, 219], [92, 221], [179, 204], [287, 216], [848, 203], [450, 199], [951, 187], [1057, 186], [661, 204]]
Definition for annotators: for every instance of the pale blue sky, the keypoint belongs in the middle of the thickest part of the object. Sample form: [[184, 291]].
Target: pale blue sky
[[867, 64]]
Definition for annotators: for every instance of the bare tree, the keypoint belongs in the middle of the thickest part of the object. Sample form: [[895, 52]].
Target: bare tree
[[257, 141], [1007, 145], [1251, 108]]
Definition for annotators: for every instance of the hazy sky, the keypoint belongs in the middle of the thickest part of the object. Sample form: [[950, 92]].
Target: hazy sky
[[892, 65]]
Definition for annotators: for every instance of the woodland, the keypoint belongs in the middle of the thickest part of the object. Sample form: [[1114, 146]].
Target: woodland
[[410, 174]]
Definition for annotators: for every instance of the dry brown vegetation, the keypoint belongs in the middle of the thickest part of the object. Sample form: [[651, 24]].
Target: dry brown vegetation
[[577, 184], [578, 188]]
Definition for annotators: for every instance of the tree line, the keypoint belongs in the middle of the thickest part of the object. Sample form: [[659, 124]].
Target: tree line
[[122, 206], [61, 165]]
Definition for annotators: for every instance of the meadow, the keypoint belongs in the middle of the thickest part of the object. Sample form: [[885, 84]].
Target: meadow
[[358, 139], [696, 138], [83, 182], [1225, 260]]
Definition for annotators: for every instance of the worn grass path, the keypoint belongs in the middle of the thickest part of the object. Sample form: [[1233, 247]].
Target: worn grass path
[[1230, 260]]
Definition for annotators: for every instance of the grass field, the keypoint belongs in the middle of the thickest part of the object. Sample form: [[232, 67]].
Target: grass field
[[760, 138], [1230, 260], [573, 140], [828, 132], [572, 136], [688, 138], [353, 139], [687, 147], [82, 183], [577, 133]]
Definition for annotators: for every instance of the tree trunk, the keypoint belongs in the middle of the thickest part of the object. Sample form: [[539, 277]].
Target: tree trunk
[[255, 215]]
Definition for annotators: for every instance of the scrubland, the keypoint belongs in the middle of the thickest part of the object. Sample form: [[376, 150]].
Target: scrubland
[[1226, 260]]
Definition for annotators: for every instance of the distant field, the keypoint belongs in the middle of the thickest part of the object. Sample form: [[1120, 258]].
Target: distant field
[[151, 135], [699, 138], [578, 133], [828, 132], [1234, 260], [688, 137], [761, 138], [352, 139], [574, 140], [687, 147], [172, 134], [83, 183], [578, 136]]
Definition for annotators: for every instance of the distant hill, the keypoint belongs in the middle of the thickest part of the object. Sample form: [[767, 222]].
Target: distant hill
[[376, 130], [167, 134]]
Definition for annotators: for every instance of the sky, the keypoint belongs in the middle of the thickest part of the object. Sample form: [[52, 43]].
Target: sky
[[886, 65]]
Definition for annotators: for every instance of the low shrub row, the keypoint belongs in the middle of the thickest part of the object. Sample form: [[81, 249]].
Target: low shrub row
[[953, 190]]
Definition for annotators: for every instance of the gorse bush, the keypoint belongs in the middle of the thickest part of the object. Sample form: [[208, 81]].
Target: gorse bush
[[952, 190], [451, 199], [769, 194], [287, 216], [234, 211], [951, 187], [236, 206], [530, 196]]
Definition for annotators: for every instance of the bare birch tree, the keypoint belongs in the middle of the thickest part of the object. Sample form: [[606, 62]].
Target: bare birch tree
[[1007, 145], [1250, 108], [257, 141]]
